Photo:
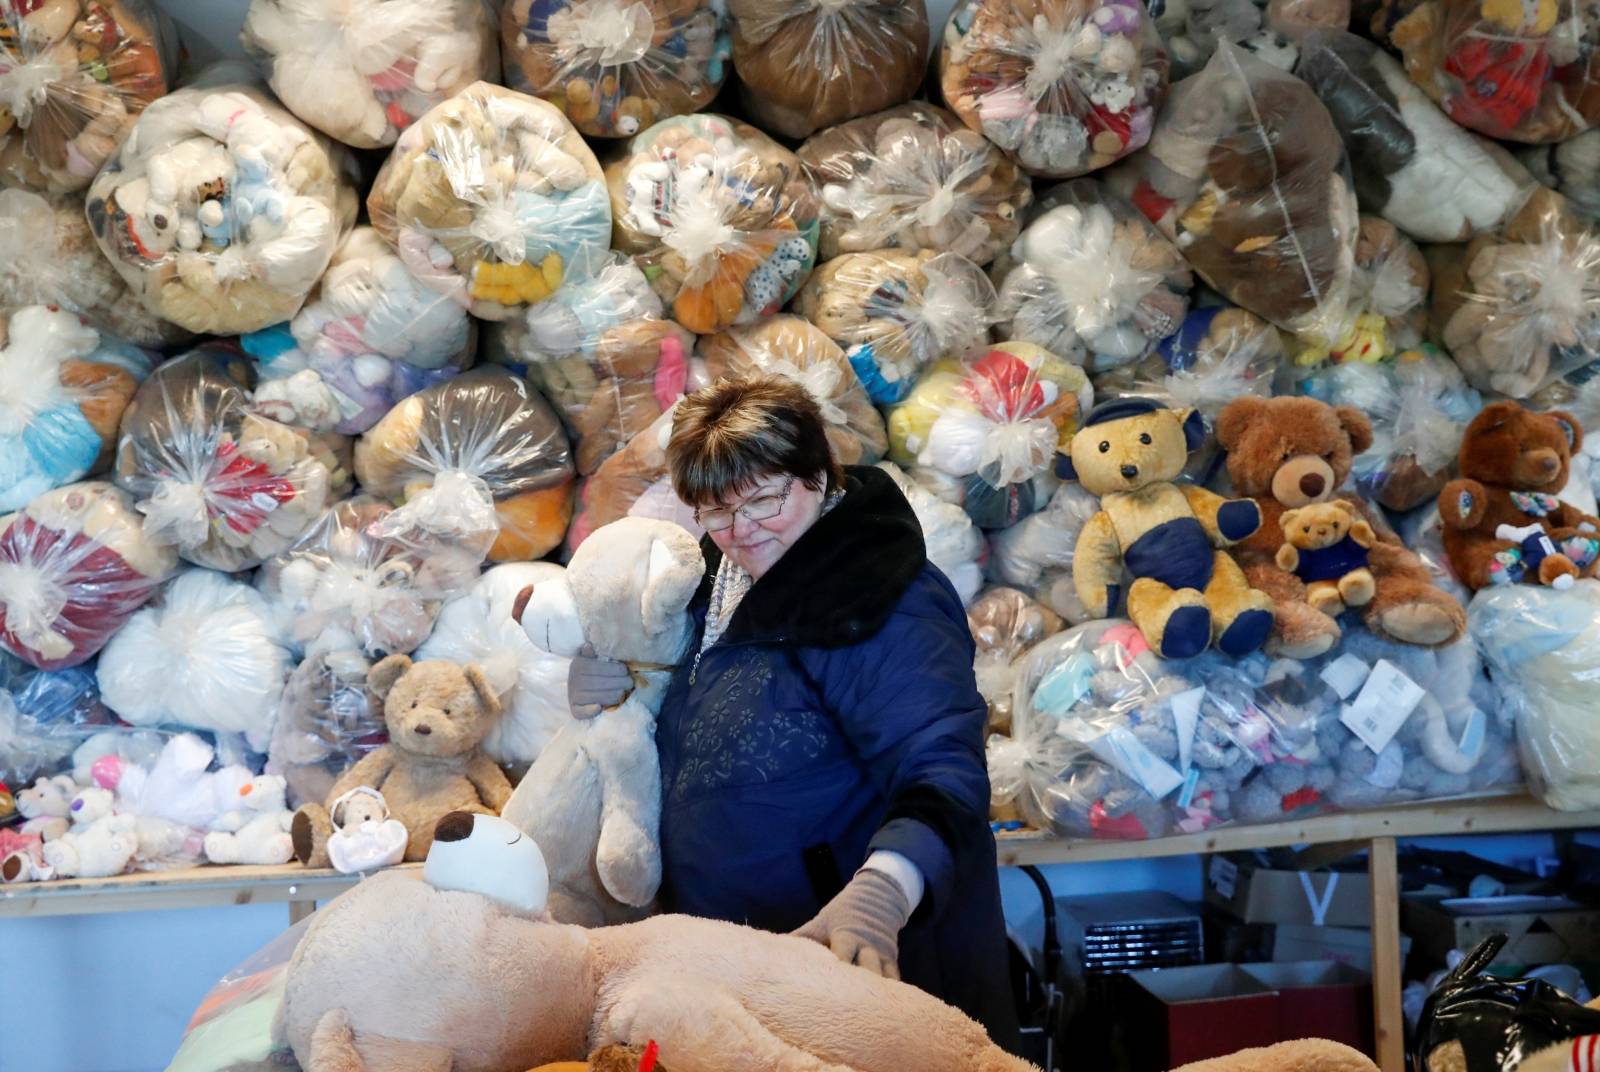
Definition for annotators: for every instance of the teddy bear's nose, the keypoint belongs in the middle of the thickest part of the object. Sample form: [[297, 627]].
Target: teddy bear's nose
[[424, 729], [1130, 471], [1311, 484]]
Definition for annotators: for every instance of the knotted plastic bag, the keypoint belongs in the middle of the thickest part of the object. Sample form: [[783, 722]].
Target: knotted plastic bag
[[1004, 623], [894, 313], [1091, 280], [370, 335], [617, 66], [75, 563], [479, 462], [633, 482], [1065, 87], [362, 71], [719, 217], [74, 75], [493, 200], [914, 178], [221, 209], [224, 485], [63, 387], [605, 356], [1387, 310]]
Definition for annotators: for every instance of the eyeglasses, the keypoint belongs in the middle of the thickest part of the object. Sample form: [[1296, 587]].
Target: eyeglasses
[[761, 508]]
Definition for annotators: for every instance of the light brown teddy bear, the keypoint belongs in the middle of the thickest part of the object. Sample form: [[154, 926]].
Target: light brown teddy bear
[[437, 714], [1325, 544]]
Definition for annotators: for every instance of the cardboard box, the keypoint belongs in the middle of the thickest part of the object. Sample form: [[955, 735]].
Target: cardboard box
[[1238, 884], [1178, 1015], [1320, 999], [1542, 930], [1345, 945]]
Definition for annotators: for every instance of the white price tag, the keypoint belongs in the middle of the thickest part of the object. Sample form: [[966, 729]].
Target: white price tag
[[1186, 717], [1224, 875], [1345, 674], [1383, 705], [1127, 753]]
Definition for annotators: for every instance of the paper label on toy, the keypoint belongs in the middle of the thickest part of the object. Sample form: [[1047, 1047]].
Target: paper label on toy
[[1383, 705], [1224, 876], [1387, 768], [1127, 753], [263, 502], [1345, 674], [1186, 716], [1064, 686], [1190, 784], [1472, 734]]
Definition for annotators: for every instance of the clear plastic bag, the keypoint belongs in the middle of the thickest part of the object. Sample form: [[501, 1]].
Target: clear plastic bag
[[1524, 72], [1422, 531], [894, 313], [1063, 86], [953, 542], [206, 655], [477, 627], [720, 218], [1418, 405], [74, 75], [603, 354], [993, 421], [221, 210], [63, 387], [1190, 29], [1035, 554], [808, 64], [914, 178], [1412, 165], [617, 66], [633, 482], [1544, 648], [327, 720], [1091, 280], [1247, 175], [344, 585], [798, 350], [1387, 311], [493, 200], [480, 462], [1005, 623], [48, 256], [225, 486], [232, 1029], [1295, 19], [44, 717], [75, 564], [1520, 307], [369, 335], [1570, 168], [361, 71]]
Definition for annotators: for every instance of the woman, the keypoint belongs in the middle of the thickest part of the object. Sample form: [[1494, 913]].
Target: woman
[[822, 751]]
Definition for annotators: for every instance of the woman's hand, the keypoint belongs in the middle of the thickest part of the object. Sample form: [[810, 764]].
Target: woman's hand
[[862, 924], [595, 684]]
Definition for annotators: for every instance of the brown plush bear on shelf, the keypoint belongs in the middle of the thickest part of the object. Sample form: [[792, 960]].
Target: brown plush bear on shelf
[[437, 714], [1502, 521], [1291, 452]]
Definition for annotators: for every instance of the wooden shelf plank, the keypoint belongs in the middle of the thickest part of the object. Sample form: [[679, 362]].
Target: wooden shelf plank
[[1492, 815]]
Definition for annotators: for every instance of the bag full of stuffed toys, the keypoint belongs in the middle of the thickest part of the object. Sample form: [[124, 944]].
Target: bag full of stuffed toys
[[220, 209], [631, 483], [1065, 87], [361, 72], [617, 66], [74, 76], [719, 217]]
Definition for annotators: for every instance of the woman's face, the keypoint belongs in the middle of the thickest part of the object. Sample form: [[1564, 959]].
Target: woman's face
[[754, 545]]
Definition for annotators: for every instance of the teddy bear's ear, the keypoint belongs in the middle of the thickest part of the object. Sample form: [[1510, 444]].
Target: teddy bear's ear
[[1356, 426], [1194, 429], [520, 604], [1237, 416], [480, 685], [1569, 424], [383, 675], [1287, 521], [669, 584]]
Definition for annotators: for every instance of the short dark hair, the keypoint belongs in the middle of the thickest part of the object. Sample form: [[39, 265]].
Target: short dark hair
[[730, 435]]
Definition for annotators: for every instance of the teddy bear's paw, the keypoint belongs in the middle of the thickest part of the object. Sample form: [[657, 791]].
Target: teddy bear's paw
[[1554, 569], [1420, 623], [1187, 632], [1245, 633], [1325, 599]]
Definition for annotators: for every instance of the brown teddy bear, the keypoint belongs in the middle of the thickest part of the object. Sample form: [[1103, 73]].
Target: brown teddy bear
[[437, 713], [1290, 452], [1325, 545], [1502, 521]]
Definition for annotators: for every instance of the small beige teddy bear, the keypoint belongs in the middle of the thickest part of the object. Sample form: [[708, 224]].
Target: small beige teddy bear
[[437, 714], [1326, 545]]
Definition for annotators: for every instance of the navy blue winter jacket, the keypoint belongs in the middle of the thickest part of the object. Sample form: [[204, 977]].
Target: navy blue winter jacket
[[838, 715]]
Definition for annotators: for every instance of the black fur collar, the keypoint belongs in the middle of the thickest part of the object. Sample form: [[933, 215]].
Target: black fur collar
[[841, 580]]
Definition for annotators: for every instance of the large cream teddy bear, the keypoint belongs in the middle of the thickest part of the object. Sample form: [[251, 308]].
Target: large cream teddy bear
[[592, 800]]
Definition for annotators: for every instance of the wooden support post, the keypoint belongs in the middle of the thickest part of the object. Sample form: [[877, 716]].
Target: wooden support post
[[1390, 1034], [299, 910]]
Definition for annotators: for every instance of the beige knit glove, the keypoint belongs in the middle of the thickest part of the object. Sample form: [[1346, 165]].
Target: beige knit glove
[[862, 924]]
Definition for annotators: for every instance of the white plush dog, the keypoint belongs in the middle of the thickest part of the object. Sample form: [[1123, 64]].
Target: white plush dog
[[592, 800]]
